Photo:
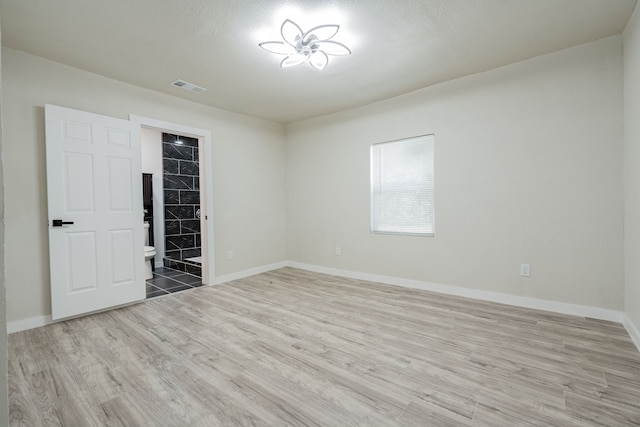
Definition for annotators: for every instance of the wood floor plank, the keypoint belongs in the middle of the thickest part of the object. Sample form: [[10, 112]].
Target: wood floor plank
[[22, 411], [421, 413], [317, 386], [30, 350], [117, 413], [511, 412], [293, 347], [58, 400], [602, 412]]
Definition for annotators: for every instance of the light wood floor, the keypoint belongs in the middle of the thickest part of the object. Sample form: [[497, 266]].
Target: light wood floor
[[292, 347]]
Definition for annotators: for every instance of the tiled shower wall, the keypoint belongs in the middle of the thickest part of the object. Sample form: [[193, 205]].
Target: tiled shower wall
[[181, 196]]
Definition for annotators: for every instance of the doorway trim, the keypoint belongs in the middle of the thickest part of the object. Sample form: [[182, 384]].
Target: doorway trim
[[206, 184]]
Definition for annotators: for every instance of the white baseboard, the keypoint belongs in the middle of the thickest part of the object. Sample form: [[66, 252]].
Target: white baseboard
[[534, 303], [538, 304], [247, 273], [36, 322], [31, 323], [632, 329]]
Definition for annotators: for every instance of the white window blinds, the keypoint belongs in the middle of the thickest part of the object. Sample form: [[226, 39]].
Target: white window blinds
[[402, 186]]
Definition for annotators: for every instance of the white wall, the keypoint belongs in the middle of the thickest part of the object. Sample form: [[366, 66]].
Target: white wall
[[632, 169], [248, 170], [528, 169], [151, 151], [4, 399]]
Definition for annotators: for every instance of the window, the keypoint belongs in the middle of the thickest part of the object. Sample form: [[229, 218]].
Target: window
[[402, 186]]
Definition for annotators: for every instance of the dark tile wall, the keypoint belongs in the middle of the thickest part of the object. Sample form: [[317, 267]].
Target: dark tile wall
[[181, 196]]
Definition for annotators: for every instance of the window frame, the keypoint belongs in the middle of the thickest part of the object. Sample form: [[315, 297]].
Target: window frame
[[431, 139]]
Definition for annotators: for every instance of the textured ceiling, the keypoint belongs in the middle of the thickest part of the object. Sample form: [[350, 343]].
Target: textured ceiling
[[398, 46]]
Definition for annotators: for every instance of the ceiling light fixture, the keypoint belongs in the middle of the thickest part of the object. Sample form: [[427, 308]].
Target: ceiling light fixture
[[313, 47]]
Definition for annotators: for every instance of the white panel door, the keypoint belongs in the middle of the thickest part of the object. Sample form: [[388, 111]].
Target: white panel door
[[94, 189]]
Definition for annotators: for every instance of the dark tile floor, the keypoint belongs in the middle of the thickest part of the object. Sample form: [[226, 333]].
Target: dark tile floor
[[167, 281]]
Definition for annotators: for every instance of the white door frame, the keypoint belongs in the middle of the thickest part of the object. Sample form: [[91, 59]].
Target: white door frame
[[206, 185]]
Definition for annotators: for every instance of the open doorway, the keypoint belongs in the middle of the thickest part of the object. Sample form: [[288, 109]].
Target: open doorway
[[178, 160]]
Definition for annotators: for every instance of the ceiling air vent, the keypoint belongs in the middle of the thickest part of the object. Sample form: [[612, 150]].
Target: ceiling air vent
[[188, 86]]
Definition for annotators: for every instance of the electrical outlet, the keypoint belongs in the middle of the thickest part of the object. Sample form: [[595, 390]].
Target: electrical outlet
[[525, 270], [229, 255], [338, 251]]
